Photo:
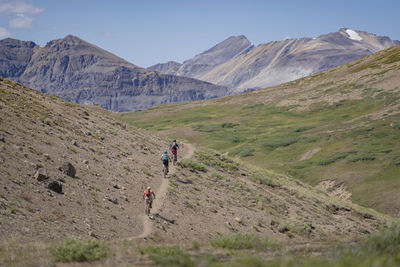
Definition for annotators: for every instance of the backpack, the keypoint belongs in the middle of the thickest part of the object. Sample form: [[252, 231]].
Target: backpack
[[165, 156], [173, 145], [147, 192]]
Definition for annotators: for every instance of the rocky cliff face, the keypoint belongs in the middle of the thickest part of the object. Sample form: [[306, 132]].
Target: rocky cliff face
[[171, 67], [278, 62], [14, 57], [83, 73]]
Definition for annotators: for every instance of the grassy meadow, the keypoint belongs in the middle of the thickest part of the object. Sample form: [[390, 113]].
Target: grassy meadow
[[353, 139]]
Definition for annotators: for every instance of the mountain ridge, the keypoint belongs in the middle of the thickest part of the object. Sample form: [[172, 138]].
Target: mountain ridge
[[277, 62], [83, 73]]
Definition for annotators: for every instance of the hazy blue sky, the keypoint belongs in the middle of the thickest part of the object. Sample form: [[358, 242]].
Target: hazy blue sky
[[147, 32]]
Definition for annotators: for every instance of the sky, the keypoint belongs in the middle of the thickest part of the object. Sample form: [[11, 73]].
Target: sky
[[147, 32]]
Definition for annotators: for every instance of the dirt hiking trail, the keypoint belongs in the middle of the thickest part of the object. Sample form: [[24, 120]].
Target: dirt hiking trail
[[186, 151]]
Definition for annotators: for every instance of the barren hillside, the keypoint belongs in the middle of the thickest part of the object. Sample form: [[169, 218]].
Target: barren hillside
[[113, 163]]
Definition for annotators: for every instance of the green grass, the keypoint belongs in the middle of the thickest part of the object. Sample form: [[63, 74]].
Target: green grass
[[165, 255], [380, 249], [352, 145], [217, 161], [244, 241], [276, 137], [192, 165], [80, 250]]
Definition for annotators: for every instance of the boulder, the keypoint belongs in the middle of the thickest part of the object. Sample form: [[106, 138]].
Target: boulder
[[41, 175], [113, 200], [68, 169], [56, 186], [2, 138], [239, 220]]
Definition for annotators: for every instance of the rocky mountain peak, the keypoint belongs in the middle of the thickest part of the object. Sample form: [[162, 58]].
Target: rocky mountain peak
[[223, 51], [237, 64], [218, 54], [69, 39], [14, 43], [83, 73], [14, 56]]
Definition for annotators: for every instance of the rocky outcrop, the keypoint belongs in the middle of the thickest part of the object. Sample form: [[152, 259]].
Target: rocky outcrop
[[41, 175], [55, 186], [68, 169], [171, 67], [83, 73], [14, 57]]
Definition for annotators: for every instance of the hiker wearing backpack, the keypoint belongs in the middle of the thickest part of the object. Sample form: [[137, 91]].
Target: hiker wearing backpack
[[165, 159]]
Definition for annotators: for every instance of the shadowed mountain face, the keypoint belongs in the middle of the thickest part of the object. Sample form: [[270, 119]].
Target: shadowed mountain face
[[14, 57], [83, 73], [278, 62]]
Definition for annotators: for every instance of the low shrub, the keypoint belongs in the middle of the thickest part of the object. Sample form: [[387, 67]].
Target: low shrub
[[246, 152], [363, 157], [168, 255], [192, 165], [333, 158], [265, 180], [243, 241], [217, 161], [387, 240], [279, 142], [303, 129], [79, 250]]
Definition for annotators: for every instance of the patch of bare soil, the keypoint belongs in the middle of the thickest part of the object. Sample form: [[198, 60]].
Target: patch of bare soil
[[310, 153], [333, 189]]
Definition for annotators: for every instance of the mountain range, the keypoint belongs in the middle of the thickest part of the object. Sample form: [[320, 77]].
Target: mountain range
[[80, 72], [239, 65]]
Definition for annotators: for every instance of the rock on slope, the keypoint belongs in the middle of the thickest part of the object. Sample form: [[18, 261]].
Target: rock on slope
[[83, 73], [278, 62]]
